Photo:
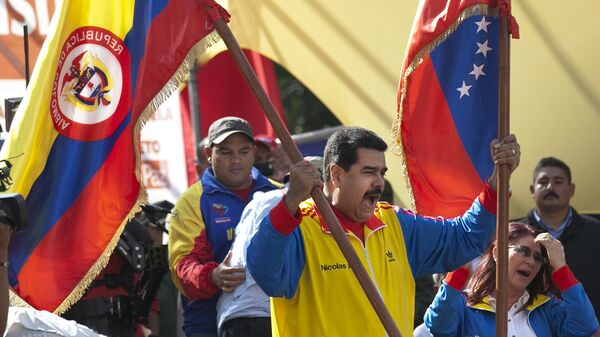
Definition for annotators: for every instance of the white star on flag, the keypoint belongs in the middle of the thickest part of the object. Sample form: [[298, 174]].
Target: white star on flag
[[464, 89], [477, 71], [483, 48], [482, 25]]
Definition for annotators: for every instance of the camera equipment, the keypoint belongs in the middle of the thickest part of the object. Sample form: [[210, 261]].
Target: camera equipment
[[139, 275], [133, 243], [156, 215], [156, 258], [10, 109], [136, 247], [5, 179], [13, 211]]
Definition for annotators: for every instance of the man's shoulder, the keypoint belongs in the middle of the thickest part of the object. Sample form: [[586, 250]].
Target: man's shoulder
[[194, 191], [588, 222], [267, 196], [263, 199], [188, 202]]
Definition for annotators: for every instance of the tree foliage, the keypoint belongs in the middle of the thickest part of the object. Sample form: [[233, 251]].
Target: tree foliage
[[304, 111]]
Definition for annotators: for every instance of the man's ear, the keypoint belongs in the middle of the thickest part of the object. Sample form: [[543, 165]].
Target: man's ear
[[208, 153], [531, 190], [572, 190], [335, 172]]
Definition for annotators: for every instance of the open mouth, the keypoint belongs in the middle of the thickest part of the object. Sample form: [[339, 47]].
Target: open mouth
[[524, 273], [372, 197]]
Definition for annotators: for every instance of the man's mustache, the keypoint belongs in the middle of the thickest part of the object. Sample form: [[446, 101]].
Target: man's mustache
[[376, 191], [550, 194]]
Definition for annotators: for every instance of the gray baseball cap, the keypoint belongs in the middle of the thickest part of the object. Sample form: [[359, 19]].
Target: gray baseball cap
[[222, 128]]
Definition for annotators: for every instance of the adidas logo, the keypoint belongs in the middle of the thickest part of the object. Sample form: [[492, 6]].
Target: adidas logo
[[390, 256]]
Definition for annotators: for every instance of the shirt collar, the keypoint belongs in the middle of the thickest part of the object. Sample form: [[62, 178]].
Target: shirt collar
[[555, 232], [518, 305], [372, 224]]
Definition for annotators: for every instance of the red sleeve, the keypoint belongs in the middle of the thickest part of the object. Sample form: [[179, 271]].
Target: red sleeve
[[282, 220], [564, 278], [458, 278], [488, 198], [194, 270]]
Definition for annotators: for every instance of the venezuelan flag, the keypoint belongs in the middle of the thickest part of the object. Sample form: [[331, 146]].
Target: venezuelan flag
[[448, 103], [103, 70]]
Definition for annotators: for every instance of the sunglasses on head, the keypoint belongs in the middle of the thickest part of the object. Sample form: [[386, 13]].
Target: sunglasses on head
[[526, 252]]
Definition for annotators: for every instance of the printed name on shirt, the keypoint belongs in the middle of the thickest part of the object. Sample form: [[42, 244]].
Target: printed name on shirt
[[336, 266]]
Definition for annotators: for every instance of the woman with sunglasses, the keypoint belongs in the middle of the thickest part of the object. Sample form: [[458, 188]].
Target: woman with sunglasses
[[532, 279]]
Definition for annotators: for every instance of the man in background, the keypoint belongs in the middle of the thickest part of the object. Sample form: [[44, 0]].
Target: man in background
[[552, 189], [202, 225]]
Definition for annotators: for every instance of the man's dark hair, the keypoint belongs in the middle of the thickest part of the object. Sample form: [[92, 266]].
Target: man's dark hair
[[343, 145], [551, 162]]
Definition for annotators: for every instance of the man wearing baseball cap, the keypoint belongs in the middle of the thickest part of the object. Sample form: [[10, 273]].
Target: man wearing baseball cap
[[202, 225]]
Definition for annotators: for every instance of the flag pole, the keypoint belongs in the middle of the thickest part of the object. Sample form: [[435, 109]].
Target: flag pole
[[503, 179], [194, 104], [26, 52], [317, 194]]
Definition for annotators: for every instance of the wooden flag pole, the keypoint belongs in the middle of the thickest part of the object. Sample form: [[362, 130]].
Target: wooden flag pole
[[503, 180], [26, 51], [317, 194], [194, 105]]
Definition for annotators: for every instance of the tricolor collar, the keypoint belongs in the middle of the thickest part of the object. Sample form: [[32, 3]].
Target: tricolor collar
[[486, 303], [372, 224]]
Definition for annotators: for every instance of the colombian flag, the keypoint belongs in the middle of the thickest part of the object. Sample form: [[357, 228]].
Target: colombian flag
[[103, 70], [448, 103]]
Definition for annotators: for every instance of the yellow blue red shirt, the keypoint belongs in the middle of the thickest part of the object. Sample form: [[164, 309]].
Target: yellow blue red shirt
[[201, 232], [298, 263]]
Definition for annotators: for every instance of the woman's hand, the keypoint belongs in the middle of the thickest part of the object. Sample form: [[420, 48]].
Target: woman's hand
[[555, 250]]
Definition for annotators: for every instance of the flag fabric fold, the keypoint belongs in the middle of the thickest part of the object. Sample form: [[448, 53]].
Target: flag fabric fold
[[448, 104], [103, 70]]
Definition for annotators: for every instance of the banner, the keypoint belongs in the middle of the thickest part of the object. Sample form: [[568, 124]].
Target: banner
[[223, 91], [448, 104], [74, 144], [164, 161]]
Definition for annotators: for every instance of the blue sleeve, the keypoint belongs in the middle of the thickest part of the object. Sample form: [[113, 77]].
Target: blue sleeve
[[276, 261], [444, 315], [574, 315], [436, 245]]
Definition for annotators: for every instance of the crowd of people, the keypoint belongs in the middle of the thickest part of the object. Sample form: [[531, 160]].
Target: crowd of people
[[251, 255], [278, 271]]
